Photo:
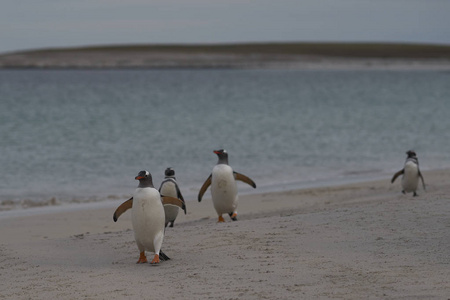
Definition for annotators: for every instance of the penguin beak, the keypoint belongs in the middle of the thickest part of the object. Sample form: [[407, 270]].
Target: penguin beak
[[216, 152], [139, 177]]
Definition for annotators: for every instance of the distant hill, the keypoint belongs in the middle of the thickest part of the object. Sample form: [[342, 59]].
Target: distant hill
[[251, 55]]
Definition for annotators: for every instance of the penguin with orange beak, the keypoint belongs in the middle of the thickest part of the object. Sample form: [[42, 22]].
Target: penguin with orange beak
[[147, 217], [223, 187]]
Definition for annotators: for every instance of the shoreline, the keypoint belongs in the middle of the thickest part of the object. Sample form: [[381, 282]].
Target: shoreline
[[349, 241], [318, 63], [28, 206]]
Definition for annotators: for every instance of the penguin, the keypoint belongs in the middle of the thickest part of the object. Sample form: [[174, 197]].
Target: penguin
[[169, 187], [411, 174], [223, 186], [147, 217]]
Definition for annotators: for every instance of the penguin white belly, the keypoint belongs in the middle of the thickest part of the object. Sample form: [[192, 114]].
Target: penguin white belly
[[147, 218], [223, 189], [171, 211], [410, 177]]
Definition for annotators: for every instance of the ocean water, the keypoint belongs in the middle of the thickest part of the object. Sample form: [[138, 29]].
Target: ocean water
[[82, 135]]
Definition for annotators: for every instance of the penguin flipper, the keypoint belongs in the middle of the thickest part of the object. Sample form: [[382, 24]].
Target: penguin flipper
[[397, 174], [243, 178], [180, 196], [204, 187], [166, 200], [122, 208], [423, 182]]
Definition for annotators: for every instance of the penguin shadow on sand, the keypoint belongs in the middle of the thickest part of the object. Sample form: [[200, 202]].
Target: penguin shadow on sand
[[410, 174], [223, 187], [148, 217]]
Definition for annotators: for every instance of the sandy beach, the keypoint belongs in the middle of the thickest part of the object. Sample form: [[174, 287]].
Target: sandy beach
[[364, 240]]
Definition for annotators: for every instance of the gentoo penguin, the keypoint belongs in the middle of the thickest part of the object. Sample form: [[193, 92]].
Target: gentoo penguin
[[169, 187], [411, 174], [147, 217], [223, 186]]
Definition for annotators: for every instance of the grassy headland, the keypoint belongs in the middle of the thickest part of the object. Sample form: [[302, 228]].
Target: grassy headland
[[218, 55]]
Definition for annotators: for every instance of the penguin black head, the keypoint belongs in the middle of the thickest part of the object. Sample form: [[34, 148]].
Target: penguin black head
[[145, 179], [411, 153], [223, 156], [169, 172]]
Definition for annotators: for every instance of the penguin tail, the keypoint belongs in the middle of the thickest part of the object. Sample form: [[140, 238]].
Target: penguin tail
[[163, 256]]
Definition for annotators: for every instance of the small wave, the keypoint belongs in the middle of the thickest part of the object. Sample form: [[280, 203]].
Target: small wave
[[27, 203], [362, 172], [7, 205]]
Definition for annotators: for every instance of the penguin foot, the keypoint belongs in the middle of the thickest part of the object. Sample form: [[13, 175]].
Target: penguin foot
[[171, 224], [142, 258], [233, 216], [415, 194], [155, 259], [221, 220]]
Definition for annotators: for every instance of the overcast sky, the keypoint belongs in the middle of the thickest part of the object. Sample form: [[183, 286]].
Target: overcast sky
[[31, 24]]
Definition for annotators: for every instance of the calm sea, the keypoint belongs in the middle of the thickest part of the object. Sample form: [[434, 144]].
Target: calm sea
[[83, 135]]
